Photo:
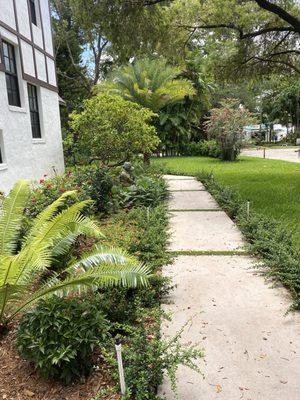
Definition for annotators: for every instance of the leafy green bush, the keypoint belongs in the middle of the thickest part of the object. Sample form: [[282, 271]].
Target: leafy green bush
[[206, 148], [59, 337], [147, 191], [112, 129], [89, 182], [97, 183], [268, 238]]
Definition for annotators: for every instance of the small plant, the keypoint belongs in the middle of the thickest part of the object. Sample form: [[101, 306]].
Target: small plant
[[147, 357], [147, 191], [59, 337]]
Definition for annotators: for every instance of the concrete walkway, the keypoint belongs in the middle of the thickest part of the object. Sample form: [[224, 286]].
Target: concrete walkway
[[291, 155], [252, 351]]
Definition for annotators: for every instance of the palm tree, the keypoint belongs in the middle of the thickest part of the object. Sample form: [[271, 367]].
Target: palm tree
[[52, 234], [151, 83]]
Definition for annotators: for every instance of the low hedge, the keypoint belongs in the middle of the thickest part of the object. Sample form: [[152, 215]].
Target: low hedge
[[206, 148], [268, 238]]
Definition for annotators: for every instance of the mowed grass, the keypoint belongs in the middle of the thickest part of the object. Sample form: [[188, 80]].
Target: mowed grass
[[271, 186]]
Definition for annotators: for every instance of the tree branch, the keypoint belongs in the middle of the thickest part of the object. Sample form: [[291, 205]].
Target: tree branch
[[281, 13], [242, 35]]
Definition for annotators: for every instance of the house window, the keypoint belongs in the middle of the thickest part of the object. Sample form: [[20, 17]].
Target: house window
[[11, 75], [2, 156], [32, 11], [34, 112]]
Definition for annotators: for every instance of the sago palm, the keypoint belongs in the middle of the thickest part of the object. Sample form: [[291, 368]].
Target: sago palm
[[52, 234], [151, 83]]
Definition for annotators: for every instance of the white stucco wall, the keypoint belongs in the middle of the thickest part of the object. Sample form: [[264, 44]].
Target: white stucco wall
[[7, 12], [27, 158]]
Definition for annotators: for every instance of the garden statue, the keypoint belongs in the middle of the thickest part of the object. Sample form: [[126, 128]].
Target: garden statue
[[127, 175]]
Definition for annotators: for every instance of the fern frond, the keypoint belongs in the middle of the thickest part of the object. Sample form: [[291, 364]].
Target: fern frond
[[11, 216], [105, 276], [102, 255]]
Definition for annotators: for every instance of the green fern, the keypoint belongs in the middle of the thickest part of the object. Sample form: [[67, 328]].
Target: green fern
[[52, 234]]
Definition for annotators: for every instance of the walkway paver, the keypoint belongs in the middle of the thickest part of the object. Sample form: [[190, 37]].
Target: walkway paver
[[252, 350], [186, 200], [291, 155], [184, 184], [204, 231]]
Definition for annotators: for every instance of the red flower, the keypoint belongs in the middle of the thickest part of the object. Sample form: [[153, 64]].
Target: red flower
[[62, 190], [42, 180]]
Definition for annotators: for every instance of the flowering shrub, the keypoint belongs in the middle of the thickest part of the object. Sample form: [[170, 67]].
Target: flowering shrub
[[226, 125], [89, 183]]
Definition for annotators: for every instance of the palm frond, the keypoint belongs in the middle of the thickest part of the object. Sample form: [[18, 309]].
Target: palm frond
[[48, 213], [11, 216], [102, 255], [132, 276]]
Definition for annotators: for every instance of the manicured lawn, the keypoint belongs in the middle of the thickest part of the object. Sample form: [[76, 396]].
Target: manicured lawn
[[273, 187]]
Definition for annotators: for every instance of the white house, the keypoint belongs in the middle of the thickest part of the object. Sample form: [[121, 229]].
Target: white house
[[30, 131]]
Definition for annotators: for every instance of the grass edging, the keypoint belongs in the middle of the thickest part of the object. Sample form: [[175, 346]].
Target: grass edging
[[268, 239], [208, 253]]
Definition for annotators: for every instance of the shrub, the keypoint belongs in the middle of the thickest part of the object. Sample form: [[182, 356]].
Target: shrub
[[206, 148], [91, 182], [226, 125], [59, 337], [51, 236], [147, 191], [97, 184], [111, 128], [147, 357]]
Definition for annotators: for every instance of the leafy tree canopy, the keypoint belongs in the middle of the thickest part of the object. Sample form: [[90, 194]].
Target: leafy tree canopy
[[111, 128]]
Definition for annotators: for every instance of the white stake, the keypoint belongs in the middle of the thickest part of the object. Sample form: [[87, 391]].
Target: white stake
[[121, 369], [248, 209]]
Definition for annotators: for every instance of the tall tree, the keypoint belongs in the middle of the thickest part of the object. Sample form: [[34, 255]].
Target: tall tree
[[259, 36]]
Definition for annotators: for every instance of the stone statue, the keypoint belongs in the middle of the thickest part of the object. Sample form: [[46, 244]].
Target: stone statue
[[127, 175]]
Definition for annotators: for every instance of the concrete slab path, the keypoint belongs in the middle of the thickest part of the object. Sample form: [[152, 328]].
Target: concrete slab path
[[291, 155], [252, 350]]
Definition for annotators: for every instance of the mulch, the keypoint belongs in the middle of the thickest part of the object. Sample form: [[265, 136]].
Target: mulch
[[19, 381]]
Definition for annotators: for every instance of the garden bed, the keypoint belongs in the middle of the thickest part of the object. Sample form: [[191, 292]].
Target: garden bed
[[19, 381]]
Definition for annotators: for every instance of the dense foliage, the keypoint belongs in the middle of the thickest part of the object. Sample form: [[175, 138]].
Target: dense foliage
[[208, 148], [226, 124], [59, 337], [50, 237], [110, 128]]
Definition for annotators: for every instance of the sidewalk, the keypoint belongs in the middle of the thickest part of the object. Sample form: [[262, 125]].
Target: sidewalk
[[252, 351]]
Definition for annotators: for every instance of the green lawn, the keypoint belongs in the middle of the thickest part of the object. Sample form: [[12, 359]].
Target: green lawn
[[273, 187]]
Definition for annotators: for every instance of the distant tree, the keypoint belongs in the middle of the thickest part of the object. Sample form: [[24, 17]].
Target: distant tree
[[281, 103], [257, 37], [226, 124], [111, 129], [73, 83]]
